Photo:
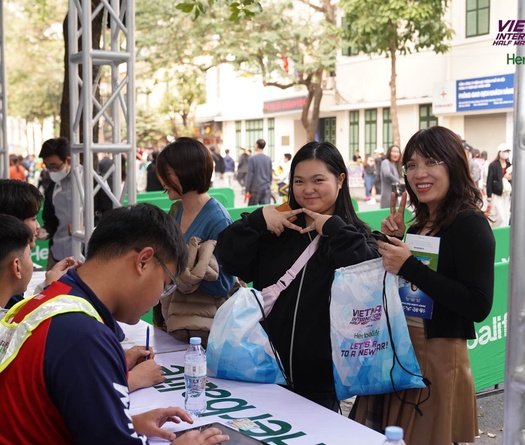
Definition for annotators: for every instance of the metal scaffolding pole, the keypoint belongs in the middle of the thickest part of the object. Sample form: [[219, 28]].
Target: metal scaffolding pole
[[111, 108], [514, 411], [4, 155]]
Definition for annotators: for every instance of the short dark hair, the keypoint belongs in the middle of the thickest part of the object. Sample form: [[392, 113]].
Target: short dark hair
[[15, 236], [56, 146], [261, 143], [19, 198], [191, 162], [288, 156], [132, 228]]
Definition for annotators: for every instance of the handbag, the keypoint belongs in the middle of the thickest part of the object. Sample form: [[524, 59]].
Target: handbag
[[371, 348], [238, 346]]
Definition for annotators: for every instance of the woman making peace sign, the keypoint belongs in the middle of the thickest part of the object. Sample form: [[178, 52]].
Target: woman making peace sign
[[447, 205]]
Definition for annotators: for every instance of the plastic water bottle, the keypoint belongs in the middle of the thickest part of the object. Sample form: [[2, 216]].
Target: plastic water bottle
[[195, 377], [394, 436]]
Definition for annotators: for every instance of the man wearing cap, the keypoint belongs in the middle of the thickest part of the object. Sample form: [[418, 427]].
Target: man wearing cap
[[379, 154], [499, 187]]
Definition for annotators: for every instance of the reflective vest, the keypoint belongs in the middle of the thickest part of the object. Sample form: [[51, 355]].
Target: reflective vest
[[17, 325]]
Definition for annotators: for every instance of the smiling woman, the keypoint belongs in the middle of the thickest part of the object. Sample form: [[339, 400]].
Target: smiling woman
[[263, 245], [447, 206]]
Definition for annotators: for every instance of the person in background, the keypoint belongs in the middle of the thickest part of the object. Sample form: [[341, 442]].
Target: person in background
[[390, 174], [16, 267], [242, 167], [474, 167], [51, 391], [357, 158], [369, 177], [283, 178], [57, 212], [218, 161], [499, 187], [447, 206], [264, 244], [16, 169], [185, 168], [379, 153], [259, 176], [229, 168], [152, 182]]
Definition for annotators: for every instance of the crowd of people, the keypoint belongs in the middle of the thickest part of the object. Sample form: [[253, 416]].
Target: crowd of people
[[184, 264]]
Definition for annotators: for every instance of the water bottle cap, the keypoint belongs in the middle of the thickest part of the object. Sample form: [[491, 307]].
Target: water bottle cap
[[195, 341], [394, 432]]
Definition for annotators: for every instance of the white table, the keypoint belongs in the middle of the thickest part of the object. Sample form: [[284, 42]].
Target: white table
[[281, 416]]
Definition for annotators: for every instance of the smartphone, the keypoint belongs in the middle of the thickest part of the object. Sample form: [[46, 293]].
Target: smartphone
[[236, 437], [380, 236], [284, 207]]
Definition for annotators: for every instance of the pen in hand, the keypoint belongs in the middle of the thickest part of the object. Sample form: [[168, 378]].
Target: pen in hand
[[147, 341]]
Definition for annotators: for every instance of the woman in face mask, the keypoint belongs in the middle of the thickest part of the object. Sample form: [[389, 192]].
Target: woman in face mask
[[499, 187]]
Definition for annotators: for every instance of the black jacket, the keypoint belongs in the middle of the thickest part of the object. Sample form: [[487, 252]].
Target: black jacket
[[463, 285], [247, 249], [495, 178]]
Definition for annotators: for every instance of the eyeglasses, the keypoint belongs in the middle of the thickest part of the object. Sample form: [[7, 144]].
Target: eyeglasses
[[168, 288], [411, 167], [54, 167]]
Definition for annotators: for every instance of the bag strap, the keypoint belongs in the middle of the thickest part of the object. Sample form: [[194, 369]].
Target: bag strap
[[291, 273], [271, 293]]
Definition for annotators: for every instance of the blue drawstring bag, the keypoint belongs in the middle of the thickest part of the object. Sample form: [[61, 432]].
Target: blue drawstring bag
[[238, 346], [371, 348]]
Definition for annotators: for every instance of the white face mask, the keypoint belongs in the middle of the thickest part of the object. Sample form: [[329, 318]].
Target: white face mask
[[504, 155], [59, 175]]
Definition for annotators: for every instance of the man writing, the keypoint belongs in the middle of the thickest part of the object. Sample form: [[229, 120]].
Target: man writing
[[66, 381]]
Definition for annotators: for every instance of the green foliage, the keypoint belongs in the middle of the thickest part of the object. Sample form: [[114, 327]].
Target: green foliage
[[244, 9], [34, 57], [377, 26]]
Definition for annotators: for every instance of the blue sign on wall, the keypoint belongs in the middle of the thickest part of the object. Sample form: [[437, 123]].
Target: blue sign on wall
[[485, 93]]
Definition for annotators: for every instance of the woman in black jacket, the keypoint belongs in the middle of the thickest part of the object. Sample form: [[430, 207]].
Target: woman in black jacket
[[263, 245], [499, 187]]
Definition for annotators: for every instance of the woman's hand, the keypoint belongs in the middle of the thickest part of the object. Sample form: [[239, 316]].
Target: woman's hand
[[61, 268], [394, 254], [277, 221], [394, 224], [318, 221]]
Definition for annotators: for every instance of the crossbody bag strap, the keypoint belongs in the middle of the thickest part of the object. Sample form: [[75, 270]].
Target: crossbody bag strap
[[271, 293]]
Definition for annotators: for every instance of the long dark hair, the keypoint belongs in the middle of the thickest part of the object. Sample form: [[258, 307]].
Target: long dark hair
[[442, 144], [331, 157]]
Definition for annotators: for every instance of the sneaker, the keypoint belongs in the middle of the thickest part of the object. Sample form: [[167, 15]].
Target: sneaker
[[371, 201], [367, 198]]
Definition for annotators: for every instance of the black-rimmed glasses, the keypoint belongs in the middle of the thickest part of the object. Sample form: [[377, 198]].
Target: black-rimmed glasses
[[170, 287]]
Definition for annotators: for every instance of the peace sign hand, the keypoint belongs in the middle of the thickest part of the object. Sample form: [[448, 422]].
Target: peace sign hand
[[394, 224]]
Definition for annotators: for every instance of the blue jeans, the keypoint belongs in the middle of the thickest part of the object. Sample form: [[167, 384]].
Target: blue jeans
[[369, 183]]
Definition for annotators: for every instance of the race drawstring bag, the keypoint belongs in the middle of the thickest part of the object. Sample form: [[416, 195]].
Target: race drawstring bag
[[238, 346], [371, 348]]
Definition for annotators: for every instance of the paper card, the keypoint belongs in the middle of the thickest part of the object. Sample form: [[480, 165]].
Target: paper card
[[415, 302]]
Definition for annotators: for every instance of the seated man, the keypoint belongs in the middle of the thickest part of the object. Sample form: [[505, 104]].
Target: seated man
[[66, 381], [16, 267], [23, 200]]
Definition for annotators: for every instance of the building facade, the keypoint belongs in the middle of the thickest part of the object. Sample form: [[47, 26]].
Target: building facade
[[469, 89]]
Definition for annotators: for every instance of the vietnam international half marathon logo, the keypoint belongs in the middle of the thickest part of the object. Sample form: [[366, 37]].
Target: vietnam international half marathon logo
[[510, 32]]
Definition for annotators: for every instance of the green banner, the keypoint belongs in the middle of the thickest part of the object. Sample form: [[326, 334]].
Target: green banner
[[487, 351]]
